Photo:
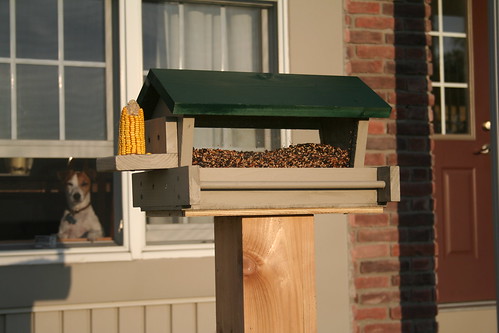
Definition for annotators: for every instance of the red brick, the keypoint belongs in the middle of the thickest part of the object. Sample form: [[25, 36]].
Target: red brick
[[380, 266], [368, 282], [370, 313], [355, 7], [375, 159], [365, 37], [375, 22], [395, 327], [381, 297], [365, 220], [381, 143], [376, 127], [378, 235], [380, 82], [376, 51], [370, 251], [366, 66]]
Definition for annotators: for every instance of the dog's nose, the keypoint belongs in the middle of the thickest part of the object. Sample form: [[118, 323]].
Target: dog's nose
[[77, 196]]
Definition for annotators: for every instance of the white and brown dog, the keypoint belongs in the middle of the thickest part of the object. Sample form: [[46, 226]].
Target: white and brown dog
[[79, 219]]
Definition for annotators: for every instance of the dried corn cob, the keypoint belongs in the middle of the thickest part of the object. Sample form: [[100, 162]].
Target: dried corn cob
[[132, 132]]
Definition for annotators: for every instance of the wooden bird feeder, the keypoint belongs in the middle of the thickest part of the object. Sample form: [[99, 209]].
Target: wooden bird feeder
[[264, 242]]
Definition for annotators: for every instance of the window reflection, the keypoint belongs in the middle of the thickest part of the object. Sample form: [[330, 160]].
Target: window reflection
[[456, 111], [454, 15], [456, 59]]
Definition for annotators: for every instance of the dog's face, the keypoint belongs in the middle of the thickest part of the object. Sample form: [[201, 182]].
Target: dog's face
[[77, 185]]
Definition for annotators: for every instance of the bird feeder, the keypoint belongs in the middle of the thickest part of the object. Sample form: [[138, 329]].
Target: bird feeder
[[264, 245]]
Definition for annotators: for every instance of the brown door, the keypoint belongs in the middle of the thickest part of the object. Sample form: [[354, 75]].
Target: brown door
[[462, 163]]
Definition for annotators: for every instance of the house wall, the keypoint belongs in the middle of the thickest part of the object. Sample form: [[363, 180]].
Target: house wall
[[177, 294], [393, 254]]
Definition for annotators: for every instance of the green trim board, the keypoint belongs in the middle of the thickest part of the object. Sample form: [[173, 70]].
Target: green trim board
[[212, 93]]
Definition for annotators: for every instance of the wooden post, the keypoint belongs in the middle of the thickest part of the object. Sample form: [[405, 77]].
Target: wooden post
[[265, 274]]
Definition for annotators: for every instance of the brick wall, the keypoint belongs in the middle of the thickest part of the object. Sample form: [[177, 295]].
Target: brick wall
[[393, 254]]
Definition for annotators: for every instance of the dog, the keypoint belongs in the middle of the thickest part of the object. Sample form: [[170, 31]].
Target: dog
[[79, 219]]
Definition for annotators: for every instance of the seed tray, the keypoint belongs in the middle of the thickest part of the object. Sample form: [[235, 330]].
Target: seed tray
[[194, 191]]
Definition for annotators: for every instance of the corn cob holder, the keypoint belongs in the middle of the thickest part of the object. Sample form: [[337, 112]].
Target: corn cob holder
[[131, 132]]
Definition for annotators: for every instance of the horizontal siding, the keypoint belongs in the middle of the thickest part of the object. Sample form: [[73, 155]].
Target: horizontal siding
[[176, 316]]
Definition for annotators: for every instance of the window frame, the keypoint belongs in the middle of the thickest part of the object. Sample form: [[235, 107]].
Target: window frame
[[440, 34], [129, 15], [60, 148]]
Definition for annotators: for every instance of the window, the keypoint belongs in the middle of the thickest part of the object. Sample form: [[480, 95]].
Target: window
[[203, 35], [55, 107], [450, 79]]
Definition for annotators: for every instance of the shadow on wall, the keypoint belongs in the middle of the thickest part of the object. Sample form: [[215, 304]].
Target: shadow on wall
[[23, 285], [417, 278]]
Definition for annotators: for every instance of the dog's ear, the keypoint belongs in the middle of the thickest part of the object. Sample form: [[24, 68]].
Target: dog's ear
[[91, 173]]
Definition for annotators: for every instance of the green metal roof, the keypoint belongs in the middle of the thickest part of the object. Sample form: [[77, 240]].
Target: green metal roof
[[212, 93]]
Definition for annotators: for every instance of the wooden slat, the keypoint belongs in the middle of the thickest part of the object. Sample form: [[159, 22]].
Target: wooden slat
[[184, 318], [137, 162], [176, 187], [206, 317], [76, 321], [266, 212], [161, 135], [131, 319], [223, 189], [391, 176], [48, 322], [185, 129], [158, 318], [265, 265], [105, 320]]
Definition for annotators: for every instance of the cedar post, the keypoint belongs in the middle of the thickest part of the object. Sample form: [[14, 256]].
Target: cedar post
[[265, 274]]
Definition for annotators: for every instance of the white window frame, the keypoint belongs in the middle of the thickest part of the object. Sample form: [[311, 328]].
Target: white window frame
[[59, 148], [133, 220], [442, 84]]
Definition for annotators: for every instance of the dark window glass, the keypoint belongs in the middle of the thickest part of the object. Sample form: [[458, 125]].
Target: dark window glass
[[5, 106], [456, 111], [85, 103], [37, 102], [435, 51], [437, 112], [36, 29], [455, 59], [84, 30], [454, 15], [4, 28]]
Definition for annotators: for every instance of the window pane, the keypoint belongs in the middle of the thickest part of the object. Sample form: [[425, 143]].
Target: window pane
[[437, 115], [37, 102], [160, 29], [4, 28], [202, 46], [434, 15], [36, 29], [244, 39], [33, 201], [84, 30], [454, 15], [456, 111], [85, 103], [435, 51], [456, 59], [5, 106]]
